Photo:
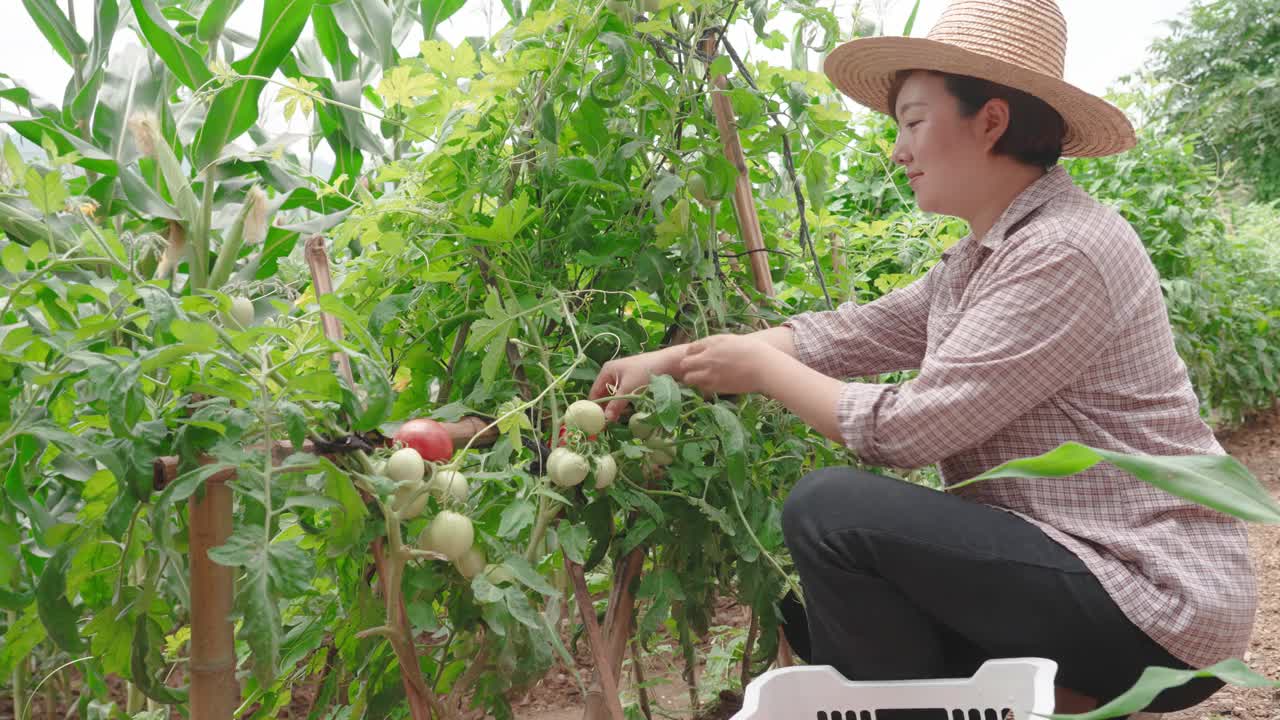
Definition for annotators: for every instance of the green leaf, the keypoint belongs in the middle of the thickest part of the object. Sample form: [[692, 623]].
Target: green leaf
[[235, 109], [378, 399], [573, 540], [588, 123], [133, 85], [524, 573], [148, 639], [46, 191], [56, 612], [271, 569], [579, 169], [666, 399], [197, 333], [733, 441], [722, 65], [20, 639], [516, 517], [1215, 481], [346, 524], [1155, 680], [333, 43], [911, 20], [435, 12], [13, 159], [295, 422], [520, 609], [57, 29], [186, 484], [215, 19], [13, 258], [184, 61], [369, 24], [81, 97]]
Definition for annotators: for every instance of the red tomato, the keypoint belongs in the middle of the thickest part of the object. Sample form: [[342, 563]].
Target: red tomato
[[591, 438], [428, 437]]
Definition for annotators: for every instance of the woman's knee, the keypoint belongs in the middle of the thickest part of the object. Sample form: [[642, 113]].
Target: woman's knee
[[836, 492]]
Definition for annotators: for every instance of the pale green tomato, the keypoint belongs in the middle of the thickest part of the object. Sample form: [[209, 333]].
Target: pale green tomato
[[586, 416], [451, 483], [405, 465], [471, 562], [664, 450], [410, 499], [449, 534], [606, 471], [640, 426], [242, 311], [498, 574], [567, 468]]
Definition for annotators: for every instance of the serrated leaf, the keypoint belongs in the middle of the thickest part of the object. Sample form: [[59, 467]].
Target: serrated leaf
[[516, 517], [60, 618], [666, 399], [524, 573], [733, 442], [573, 540], [46, 191]]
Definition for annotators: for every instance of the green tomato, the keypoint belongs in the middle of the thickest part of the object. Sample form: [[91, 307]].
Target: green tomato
[[606, 471], [664, 449], [242, 311], [567, 468], [405, 465], [450, 534], [586, 416], [640, 426], [698, 188], [450, 483], [410, 499], [471, 562]]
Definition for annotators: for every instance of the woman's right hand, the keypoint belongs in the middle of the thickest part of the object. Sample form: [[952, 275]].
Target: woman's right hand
[[623, 375]]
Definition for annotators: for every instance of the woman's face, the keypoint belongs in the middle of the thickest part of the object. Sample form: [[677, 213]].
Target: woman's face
[[945, 155]]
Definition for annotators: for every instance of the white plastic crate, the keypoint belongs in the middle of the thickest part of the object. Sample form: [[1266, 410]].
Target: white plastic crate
[[1000, 688]]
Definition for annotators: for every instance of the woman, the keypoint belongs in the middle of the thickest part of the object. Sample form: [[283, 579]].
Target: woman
[[1045, 324]]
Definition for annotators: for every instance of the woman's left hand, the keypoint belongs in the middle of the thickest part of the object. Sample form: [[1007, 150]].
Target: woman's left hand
[[726, 364]]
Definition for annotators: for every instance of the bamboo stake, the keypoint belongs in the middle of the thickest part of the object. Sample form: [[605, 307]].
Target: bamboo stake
[[322, 282], [215, 694], [608, 677], [743, 201]]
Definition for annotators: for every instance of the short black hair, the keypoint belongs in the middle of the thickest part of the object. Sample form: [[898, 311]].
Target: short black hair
[[1035, 132]]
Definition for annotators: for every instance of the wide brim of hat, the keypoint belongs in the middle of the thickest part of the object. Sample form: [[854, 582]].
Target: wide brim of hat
[[864, 70]]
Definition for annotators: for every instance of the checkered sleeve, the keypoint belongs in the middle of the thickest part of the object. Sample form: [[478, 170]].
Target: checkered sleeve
[[1037, 324], [882, 336]]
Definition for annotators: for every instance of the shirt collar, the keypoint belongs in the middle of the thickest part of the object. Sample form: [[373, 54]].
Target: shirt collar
[[1044, 189]]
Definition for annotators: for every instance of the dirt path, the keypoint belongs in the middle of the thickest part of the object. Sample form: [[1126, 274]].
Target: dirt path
[[1257, 446]]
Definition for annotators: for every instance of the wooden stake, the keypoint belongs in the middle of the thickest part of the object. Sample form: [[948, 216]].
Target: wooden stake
[[744, 203], [617, 633], [215, 694], [322, 283], [608, 677]]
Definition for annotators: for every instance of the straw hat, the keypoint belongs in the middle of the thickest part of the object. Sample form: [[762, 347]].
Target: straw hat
[[1018, 43]]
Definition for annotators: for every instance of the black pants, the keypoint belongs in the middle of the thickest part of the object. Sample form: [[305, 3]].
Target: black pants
[[904, 582]]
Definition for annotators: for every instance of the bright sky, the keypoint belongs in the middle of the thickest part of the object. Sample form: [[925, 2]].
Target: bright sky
[[1106, 38]]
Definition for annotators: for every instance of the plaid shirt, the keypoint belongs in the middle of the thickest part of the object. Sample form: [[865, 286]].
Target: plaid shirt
[[1051, 328]]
